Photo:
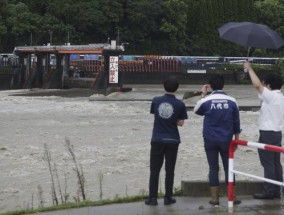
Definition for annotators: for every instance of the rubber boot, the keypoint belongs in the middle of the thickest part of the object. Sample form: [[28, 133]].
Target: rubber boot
[[214, 196]]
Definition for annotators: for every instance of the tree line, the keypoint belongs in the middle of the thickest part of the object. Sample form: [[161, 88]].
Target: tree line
[[162, 27]]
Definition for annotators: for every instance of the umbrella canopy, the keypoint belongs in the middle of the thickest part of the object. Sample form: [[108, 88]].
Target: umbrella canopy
[[251, 35]]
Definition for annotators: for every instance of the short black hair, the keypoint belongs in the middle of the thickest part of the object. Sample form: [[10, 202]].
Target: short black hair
[[274, 80], [216, 82], [171, 85]]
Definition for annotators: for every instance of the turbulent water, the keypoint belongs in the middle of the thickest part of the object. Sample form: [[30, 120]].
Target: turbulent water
[[110, 139]]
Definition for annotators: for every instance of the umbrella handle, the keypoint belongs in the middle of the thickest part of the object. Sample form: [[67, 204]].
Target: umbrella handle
[[248, 51]]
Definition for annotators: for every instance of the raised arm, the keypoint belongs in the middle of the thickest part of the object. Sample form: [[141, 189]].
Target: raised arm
[[254, 79]]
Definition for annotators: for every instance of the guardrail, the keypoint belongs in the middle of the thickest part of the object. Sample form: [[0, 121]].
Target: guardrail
[[231, 170]]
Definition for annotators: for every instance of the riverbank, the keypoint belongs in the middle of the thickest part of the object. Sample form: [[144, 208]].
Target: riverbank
[[110, 138]]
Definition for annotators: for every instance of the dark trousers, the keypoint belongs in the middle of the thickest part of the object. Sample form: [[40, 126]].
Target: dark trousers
[[271, 161], [159, 152], [213, 150]]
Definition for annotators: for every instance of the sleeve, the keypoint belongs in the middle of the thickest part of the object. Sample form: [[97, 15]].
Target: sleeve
[[152, 107], [266, 95], [236, 120], [198, 109], [183, 114]]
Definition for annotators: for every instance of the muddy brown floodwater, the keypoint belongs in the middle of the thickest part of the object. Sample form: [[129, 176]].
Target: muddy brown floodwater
[[110, 138]]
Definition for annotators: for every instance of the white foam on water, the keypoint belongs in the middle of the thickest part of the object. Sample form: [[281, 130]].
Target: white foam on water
[[109, 137]]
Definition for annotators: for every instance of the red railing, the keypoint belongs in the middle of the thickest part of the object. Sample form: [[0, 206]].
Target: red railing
[[231, 171]]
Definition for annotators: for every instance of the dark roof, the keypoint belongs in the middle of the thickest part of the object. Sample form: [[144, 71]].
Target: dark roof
[[66, 49]]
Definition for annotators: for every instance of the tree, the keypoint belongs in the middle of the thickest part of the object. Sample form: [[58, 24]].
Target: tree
[[140, 25], [162, 27], [271, 13], [19, 22], [173, 26], [3, 28]]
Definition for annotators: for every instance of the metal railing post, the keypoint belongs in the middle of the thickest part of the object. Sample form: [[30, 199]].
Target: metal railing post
[[231, 176], [231, 170]]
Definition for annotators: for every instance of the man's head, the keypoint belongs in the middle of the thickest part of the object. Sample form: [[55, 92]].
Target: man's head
[[216, 82], [171, 85], [273, 80]]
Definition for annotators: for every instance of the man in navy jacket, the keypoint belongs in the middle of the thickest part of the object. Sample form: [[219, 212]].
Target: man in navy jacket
[[169, 113], [221, 123]]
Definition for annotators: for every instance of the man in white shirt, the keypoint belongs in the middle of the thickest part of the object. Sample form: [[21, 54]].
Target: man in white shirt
[[270, 121]]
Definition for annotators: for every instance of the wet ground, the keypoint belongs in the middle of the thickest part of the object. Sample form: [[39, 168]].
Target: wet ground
[[184, 206]]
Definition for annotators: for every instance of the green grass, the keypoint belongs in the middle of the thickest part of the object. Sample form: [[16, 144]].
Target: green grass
[[78, 205], [88, 203]]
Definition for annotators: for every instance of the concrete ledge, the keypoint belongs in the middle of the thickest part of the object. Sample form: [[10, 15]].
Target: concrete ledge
[[201, 188]]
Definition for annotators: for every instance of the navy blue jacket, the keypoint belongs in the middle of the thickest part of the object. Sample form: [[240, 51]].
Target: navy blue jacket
[[167, 110], [221, 116]]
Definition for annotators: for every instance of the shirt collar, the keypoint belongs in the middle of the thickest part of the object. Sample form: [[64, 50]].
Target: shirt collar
[[277, 91], [170, 95], [218, 92]]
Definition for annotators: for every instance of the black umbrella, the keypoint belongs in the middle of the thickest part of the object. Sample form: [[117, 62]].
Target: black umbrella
[[251, 35]]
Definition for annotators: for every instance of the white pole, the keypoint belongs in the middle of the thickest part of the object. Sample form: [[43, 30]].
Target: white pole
[[259, 178]]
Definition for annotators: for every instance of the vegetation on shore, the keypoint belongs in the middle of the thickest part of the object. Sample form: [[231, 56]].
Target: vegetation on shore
[[87, 203], [61, 197], [70, 205], [147, 26]]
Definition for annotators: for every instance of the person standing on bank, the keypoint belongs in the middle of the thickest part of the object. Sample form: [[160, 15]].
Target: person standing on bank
[[169, 113], [221, 123], [270, 121]]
